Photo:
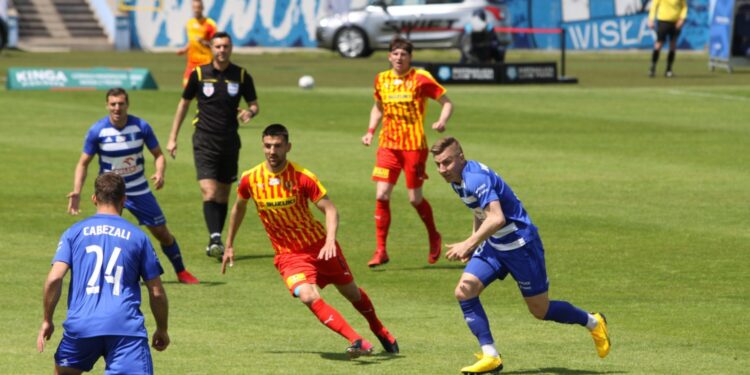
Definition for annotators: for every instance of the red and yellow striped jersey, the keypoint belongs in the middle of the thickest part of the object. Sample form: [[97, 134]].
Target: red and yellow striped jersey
[[204, 29], [282, 203], [404, 100]]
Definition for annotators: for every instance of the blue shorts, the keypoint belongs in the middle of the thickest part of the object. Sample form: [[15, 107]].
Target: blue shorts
[[122, 354], [145, 208], [525, 264]]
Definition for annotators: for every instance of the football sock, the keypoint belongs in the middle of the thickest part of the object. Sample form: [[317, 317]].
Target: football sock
[[382, 222], [333, 320], [490, 350], [425, 213], [564, 312], [592, 323], [223, 208], [173, 253], [476, 318], [365, 307], [670, 59], [654, 57], [214, 213]]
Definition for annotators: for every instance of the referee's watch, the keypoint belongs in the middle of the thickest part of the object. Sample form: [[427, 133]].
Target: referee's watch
[[252, 113]]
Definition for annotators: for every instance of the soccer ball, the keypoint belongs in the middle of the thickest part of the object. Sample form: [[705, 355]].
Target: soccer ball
[[306, 82]]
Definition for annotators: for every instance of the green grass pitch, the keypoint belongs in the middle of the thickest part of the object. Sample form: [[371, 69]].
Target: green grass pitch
[[640, 188]]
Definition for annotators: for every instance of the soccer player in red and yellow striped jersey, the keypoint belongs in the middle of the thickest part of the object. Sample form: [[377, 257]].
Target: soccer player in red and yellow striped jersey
[[200, 30], [308, 256], [400, 103]]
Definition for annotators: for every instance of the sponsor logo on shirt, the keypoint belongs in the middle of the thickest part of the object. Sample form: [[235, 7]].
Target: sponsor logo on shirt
[[270, 204], [398, 97]]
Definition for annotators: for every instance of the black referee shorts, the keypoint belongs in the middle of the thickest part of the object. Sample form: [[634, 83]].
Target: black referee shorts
[[666, 28], [216, 156]]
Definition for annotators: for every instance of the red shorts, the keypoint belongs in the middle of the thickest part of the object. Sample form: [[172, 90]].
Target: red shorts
[[389, 163], [306, 268]]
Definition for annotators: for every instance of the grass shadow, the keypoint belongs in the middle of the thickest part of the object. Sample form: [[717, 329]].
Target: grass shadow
[[202, 283], [343, 357], [562, 371], [246, 257], [422, 268]]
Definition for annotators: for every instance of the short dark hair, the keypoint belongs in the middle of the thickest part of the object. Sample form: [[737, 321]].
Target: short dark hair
[[117, 91], [443, 143], [276, 130], [109, 188], [222, 34], [399, 42]]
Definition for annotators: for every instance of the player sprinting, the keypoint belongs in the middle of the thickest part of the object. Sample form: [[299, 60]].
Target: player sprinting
[[119, 139], [200, 30], [504, 241], [308, 256], [401, 102], [108, 257]]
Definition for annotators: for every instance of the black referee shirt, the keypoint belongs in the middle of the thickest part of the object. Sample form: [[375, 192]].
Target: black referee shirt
[[218, 94]]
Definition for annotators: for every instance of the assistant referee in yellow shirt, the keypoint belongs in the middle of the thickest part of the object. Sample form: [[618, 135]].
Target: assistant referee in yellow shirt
[[670, 16]]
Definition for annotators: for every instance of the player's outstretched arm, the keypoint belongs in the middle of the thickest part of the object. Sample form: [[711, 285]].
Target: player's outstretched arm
[[235, 220], [445, 113], [79, 177], [326, 206], [179, 116], [160, 308], [51, 295]]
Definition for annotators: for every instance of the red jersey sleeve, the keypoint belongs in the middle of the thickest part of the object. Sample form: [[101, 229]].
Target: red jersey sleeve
[[310, 186], [376, 85], [429, 86], [243, 189]]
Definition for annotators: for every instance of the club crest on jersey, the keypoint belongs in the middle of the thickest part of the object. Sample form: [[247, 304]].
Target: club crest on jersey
[[233, 88], [288, 184], [208, 88]]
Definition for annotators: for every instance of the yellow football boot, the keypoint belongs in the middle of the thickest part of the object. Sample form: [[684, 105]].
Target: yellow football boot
[[601, 335], [484, 365]]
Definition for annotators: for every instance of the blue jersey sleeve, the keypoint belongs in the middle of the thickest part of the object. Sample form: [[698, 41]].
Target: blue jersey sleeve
[[480, 185], [150, 266], [91, 142], [149, 138], [63, 253]]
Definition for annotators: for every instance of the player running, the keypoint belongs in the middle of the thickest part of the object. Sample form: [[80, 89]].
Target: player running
[[504, 241], [200, 30], [401, 102], [108, 257], [118, 139], [308, 256]]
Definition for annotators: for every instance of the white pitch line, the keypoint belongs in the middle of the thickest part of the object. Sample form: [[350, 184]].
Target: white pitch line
[[709, 95]]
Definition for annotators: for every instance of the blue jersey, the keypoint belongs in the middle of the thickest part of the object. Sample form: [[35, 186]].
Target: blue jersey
[[108, 256], [121, 150], [479, 186]]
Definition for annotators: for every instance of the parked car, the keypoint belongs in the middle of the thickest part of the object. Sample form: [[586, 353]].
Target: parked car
[[437, 24]]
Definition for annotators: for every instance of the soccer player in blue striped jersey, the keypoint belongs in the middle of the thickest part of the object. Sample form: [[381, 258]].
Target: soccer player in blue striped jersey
[[108, 257], [504, 241], [119, 139]]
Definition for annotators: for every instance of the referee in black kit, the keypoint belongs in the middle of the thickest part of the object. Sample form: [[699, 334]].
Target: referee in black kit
[[216, 143]]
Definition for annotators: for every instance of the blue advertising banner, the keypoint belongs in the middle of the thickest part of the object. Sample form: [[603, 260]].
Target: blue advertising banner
[[592, 24], [720, 31], [275, 23], [610, 33]]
